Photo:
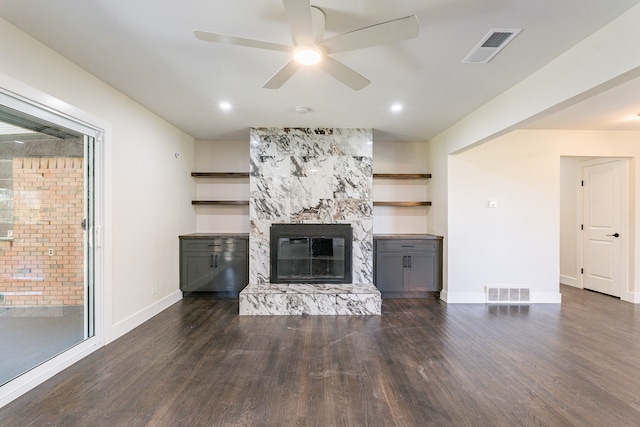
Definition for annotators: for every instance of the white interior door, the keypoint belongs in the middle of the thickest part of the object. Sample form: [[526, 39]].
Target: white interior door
[[604, 227]]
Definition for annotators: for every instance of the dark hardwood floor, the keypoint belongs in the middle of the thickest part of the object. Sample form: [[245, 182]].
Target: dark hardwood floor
[[421, 363]]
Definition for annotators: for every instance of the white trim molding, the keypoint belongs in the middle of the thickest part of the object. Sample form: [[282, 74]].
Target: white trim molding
[[481, 298], [120, 328]]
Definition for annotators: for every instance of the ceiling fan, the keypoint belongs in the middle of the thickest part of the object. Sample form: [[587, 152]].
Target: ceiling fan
[[309, 46]]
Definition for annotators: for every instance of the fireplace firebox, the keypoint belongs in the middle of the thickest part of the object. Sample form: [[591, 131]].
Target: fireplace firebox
[[311, 253]]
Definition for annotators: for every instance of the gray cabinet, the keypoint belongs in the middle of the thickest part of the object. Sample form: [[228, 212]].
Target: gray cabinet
[[214, 263], [407, 267]]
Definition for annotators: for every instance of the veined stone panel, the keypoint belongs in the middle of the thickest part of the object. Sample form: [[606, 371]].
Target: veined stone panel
[[314, 176], [270, 299]]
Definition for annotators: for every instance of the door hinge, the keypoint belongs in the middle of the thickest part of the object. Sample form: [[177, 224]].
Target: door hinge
[[581, 183], [582, 271], [581, 226]]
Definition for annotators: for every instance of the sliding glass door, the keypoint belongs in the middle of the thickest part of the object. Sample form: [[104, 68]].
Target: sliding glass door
[[47, 239]]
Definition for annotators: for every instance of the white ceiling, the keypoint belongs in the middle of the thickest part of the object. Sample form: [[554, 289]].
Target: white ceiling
[[147, 50]]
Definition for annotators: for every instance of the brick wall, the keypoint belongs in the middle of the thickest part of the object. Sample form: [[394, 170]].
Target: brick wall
[[48, 207]]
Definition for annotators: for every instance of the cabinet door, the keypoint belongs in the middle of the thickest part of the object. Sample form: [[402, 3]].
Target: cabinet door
[[229, 271], [196, 271], [389, 271], [420, 273]]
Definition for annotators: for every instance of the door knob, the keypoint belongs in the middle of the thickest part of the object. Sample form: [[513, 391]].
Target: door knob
[[614, 235]]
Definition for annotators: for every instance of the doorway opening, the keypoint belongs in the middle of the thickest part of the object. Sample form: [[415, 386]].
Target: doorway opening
[[594, 213]]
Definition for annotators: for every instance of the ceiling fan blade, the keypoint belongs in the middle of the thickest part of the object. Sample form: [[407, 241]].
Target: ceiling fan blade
[[299, 14], [343, 73], [282, 75], [385, 32], [239, 41]]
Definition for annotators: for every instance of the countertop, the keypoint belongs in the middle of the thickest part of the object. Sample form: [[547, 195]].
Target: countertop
[[211, 235], [406, 236]]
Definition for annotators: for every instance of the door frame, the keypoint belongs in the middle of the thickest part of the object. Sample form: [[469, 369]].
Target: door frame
[[35, 103], [625, 238]]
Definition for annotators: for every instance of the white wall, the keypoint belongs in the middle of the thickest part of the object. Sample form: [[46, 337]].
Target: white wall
[[518, 243], [222, 156], [395, 157], [573, 76], [147, 190], [515, 244]]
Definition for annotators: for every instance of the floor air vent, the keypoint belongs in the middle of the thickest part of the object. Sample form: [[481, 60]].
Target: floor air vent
[[492, 43], [507, 295]]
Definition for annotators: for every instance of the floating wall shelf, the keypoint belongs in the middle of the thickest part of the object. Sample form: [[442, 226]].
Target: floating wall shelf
[[406, 176], [220, 202], [220, 174], [402, 204], [402, 175], [246, 175]]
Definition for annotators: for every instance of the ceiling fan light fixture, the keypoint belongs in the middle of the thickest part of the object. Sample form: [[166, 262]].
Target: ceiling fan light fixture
[[307, 55]]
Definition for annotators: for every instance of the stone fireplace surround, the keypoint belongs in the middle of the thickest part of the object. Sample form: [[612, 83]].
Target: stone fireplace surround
[[312, 176]]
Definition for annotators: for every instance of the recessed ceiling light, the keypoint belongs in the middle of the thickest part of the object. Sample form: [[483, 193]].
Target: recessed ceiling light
[[225, 106], [301, 110], [397, 107], [307, 55]]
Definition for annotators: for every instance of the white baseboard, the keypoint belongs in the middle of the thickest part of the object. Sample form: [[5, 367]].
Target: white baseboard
[[546, 298], [570, 281], [481, 298], [463, 297], [632, 297], [126, 325]]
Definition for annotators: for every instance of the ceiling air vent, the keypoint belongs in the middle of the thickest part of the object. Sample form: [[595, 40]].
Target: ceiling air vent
[[492, 43]]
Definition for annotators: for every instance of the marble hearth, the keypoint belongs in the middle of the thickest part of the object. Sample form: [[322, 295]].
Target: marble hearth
[[310, 299]]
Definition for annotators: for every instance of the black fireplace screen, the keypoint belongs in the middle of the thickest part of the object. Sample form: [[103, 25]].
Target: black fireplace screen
[[311, 253]]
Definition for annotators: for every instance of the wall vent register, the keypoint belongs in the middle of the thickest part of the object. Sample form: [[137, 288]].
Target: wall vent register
[[507, 295]]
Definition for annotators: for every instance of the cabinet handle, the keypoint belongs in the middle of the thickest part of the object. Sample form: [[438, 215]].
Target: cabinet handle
[[406, 261], [211, 263], [216, 263]]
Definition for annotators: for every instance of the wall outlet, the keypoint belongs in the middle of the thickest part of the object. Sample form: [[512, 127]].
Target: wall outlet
[[154, 288], [50, 252]]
